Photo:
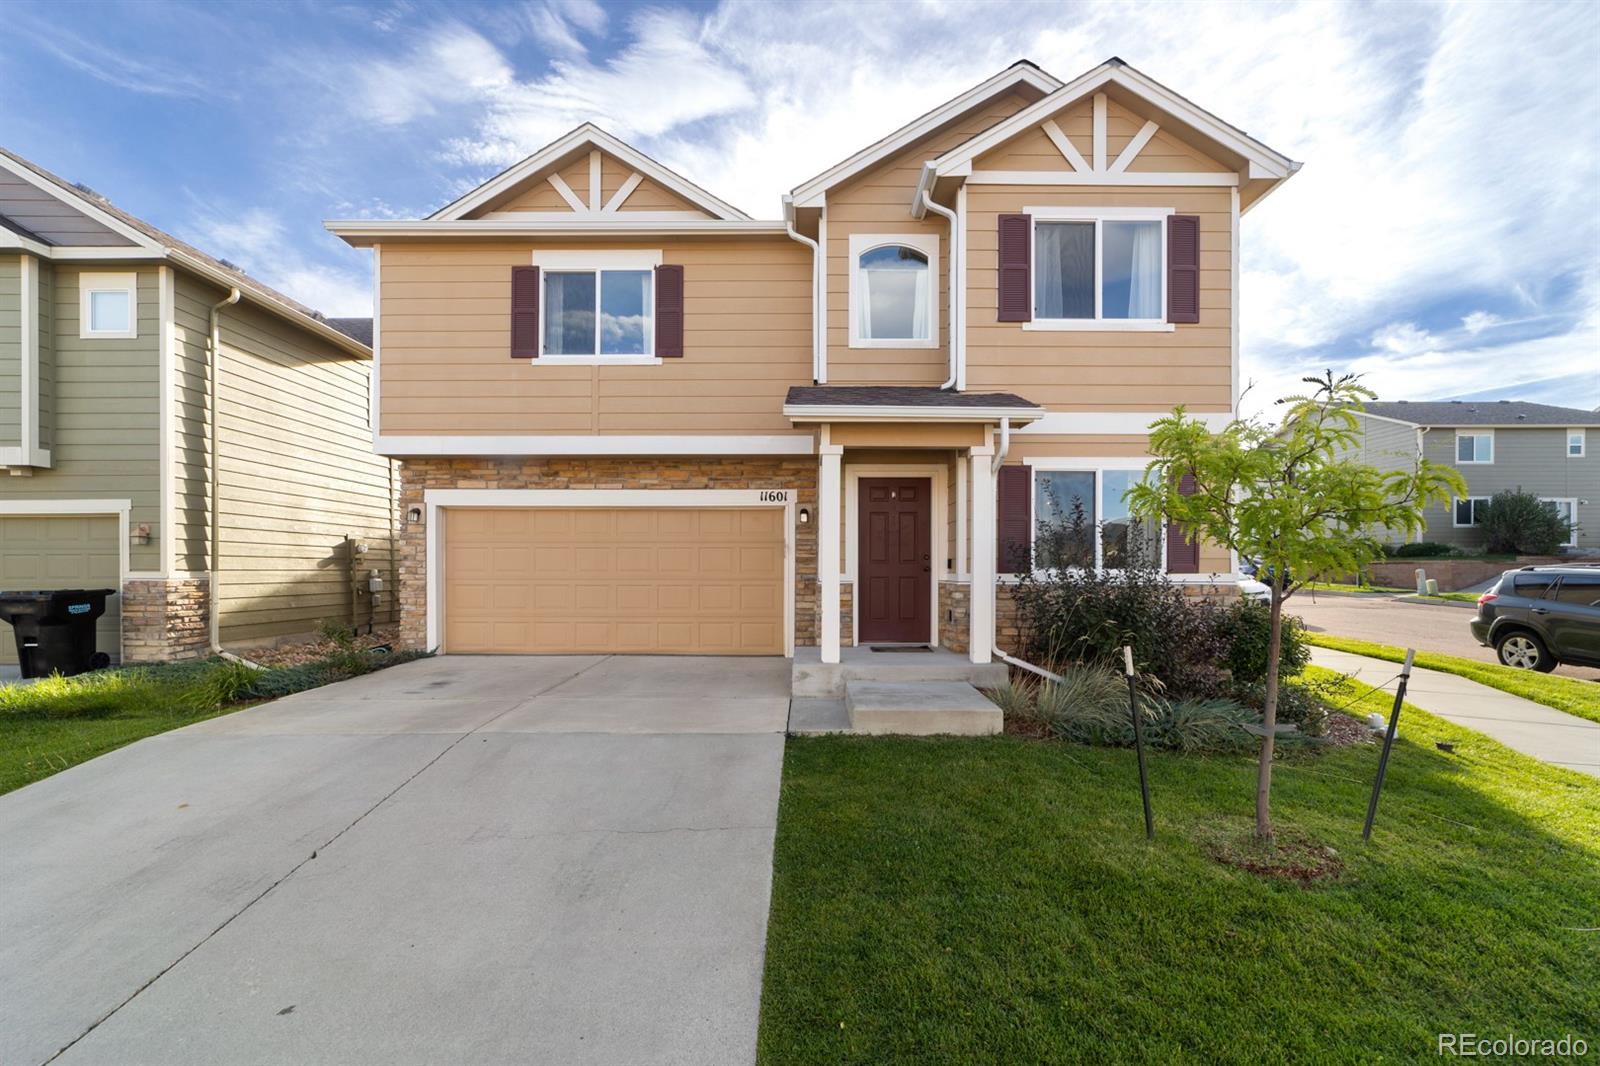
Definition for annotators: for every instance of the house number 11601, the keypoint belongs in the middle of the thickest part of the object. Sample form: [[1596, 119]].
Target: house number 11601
[[774, 496]]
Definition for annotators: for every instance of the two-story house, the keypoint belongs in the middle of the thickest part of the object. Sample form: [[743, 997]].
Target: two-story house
[[634, 419], [1496, 446], [175, 430]]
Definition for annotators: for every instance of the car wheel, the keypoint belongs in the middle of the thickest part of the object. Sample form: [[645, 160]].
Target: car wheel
[[1524, 651]]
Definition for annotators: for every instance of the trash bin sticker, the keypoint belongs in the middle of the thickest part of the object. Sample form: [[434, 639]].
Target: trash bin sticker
[[77, 608]]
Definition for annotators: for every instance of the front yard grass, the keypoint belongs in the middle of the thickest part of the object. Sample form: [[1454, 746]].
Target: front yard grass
[[1334, 586], [994, 900], [1570, 694]]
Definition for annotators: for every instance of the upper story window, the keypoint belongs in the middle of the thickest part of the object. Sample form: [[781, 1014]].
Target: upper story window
[[597, 306], [1099, 268], [894, 290], [1474, 447], [108, 305], [1577, 443]]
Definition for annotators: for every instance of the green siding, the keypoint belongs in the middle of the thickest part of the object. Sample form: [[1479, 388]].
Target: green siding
[[104, 427], [297, 470], [10, 351], [1532, 459]]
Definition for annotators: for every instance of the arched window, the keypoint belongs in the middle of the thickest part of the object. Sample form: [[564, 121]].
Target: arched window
[[894, 291]]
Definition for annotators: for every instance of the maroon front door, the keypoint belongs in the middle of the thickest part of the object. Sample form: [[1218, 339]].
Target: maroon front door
[[894, 561]]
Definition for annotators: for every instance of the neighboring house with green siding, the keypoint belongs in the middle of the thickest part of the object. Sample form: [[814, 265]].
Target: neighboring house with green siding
[[1496, 446], [106, 432]]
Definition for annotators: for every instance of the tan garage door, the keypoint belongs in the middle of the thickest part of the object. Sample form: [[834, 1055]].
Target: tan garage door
[[646, 580], [62, 552]]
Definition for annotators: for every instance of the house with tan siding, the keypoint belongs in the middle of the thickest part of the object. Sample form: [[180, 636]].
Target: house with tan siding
[[631, 418], [177, 431]]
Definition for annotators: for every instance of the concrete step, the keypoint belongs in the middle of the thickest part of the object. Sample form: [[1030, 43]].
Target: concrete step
[[811, 678], [920, 708]]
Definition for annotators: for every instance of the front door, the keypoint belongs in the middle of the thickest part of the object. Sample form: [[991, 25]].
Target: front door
[[894, 568]]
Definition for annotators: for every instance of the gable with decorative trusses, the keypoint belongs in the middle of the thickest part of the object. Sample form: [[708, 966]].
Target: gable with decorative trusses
[[589, 175]]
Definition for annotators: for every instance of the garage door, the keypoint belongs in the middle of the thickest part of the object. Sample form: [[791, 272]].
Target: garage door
[[647, 580], [62, 552]]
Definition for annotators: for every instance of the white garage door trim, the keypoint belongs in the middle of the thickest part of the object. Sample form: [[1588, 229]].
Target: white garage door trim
[[438, 501], [119, 509]]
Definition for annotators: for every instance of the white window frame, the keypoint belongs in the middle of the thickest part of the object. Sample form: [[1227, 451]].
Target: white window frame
[[1583, 443], [125, 282], [1456, 455], [1084, 466], [861, 244], [596, 261], [1472, 512], [1096, 215], [1572, 505]]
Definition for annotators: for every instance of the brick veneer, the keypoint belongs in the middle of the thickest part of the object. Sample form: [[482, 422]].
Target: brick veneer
[[664, 473], [163, 621]]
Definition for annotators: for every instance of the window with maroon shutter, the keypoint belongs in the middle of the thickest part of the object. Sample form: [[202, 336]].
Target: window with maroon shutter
[[1016, 268], [1183, 553], [524, 312], [1183, 269], [1014, 518], [669, 312]]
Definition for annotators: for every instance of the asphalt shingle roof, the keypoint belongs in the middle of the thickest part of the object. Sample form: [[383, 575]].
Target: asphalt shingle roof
[[359, 329], [898, 396], [1482, 413]]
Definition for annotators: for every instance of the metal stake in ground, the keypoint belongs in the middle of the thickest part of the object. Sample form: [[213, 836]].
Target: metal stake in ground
[[1388, 742], [1138, 741]]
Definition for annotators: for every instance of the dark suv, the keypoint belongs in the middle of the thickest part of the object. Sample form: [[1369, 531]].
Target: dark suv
[[1540, 616]]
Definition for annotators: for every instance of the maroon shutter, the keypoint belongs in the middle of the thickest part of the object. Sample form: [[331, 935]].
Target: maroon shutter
[[1183, 553], [524, 312], [1016, 268], [1014, 518], [669, 312], [1183, 268]]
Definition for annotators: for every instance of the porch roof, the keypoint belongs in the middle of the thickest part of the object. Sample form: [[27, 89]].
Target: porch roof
[[823, 403]]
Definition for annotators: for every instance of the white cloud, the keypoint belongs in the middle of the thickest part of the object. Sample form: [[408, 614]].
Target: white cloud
[[558, 24], [1478, 321], [450, 66], [255, 240]]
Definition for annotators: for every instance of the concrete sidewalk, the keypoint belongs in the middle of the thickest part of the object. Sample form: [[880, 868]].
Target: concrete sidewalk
[[1531, 728]]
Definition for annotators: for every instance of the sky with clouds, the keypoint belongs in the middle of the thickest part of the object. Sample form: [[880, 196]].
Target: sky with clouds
[[1443, 238]]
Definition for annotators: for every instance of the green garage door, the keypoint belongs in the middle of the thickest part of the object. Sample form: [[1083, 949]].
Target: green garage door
[[62, 552]]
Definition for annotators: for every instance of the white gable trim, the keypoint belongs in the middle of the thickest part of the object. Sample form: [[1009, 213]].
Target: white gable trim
[[810, 193], [586, 134], [1263, 162]]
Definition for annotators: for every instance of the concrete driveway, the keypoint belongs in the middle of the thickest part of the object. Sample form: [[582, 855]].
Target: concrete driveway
[[562, 859]]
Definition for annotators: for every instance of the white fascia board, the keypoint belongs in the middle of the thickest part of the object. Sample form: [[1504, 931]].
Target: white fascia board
[[618, 444], [617, 225], [865, 413], [1269, 161], [809, 193], [586, 134], [1386, 418], [79, 202]]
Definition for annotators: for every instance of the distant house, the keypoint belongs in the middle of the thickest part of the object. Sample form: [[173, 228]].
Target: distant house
[[1496, 446], [107, 429]]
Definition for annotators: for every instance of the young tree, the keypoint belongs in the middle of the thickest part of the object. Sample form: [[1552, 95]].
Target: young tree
[[1286, 496]]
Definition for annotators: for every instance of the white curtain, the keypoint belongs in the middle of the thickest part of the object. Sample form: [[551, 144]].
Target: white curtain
[[919, 305], [1144, 287], [893, 293]]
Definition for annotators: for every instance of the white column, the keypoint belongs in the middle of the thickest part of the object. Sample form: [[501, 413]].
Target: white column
[[961, 570], [980, 607], [828, 497]]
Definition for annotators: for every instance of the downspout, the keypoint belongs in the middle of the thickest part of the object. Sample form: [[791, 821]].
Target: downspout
[[1416, 538], [1005, 444], [816, 259], [957, 313], [213, 368]]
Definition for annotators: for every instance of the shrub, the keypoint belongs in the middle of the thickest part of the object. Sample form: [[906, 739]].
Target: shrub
[[1248, 628], [1090, 706], [1423, 549], [1074, 616], [223, 681], [1306, 703], [337, 633], [1520, 522], [340, 666]]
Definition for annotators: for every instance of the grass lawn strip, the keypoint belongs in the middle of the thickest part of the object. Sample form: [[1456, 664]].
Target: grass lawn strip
[[1353, 590], [993, 900], [1569, 694]]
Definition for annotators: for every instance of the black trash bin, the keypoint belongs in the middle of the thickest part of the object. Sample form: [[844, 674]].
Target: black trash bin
[[55, 629]]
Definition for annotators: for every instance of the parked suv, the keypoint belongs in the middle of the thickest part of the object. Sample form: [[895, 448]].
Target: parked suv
[[1540, 616]]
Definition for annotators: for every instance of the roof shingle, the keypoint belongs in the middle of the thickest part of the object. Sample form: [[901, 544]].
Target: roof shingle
[[1482, 413]]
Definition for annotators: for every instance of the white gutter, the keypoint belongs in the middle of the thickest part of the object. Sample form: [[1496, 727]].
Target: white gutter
[[957, 327], [1005, 444], [816, 290], [213, 369]]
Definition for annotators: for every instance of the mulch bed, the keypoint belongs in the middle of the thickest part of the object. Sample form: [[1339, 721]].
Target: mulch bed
[[320, 648], [1292, 856], [1343, 731]]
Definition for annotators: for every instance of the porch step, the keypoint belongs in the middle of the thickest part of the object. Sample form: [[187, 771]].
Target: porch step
[[811, 678], [920, 708]]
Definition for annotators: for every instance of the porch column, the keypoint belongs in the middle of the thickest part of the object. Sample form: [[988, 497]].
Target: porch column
[[828, 523], [980, 603]]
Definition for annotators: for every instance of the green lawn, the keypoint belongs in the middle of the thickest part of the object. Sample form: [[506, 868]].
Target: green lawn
[[1458, 597], [1570, 694], [993, 900], [1333, 586]]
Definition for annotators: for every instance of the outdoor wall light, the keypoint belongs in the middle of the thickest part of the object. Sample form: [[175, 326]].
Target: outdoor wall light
[[805, 516], [141, 533], [413, 514]]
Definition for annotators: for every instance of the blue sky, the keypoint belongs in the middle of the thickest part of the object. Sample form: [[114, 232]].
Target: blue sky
[[1443, 238]]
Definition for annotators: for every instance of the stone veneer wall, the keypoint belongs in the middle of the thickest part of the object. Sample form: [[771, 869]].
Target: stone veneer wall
[[798, 474], [164, 621], [954, 624]]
